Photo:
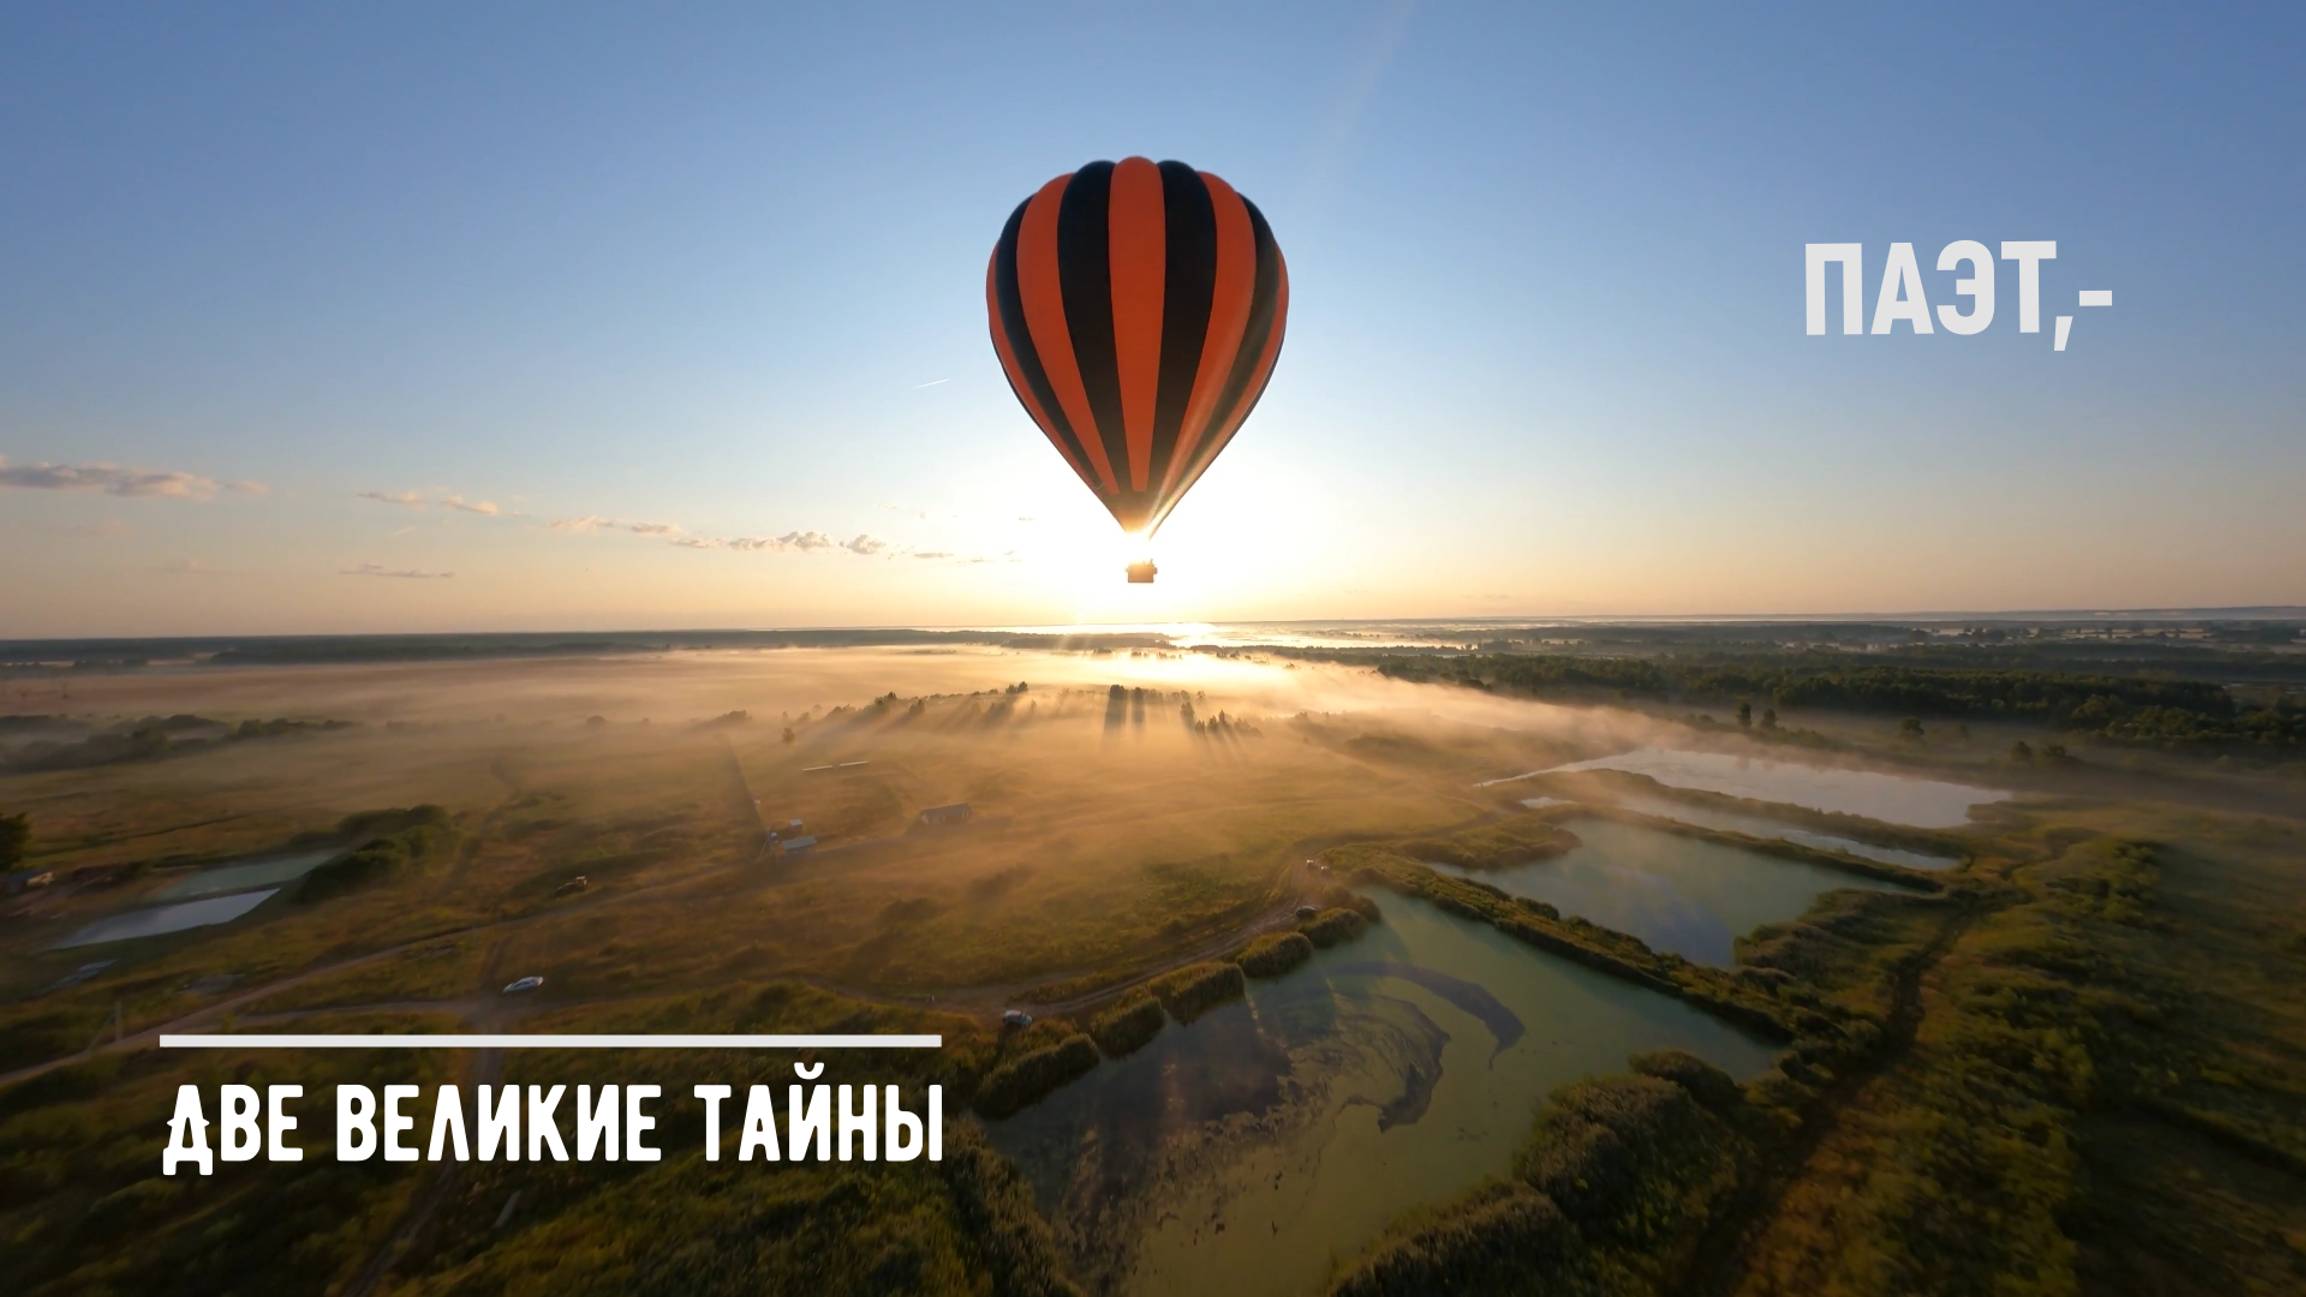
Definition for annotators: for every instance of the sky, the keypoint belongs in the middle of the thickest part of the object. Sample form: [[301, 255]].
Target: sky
[[434, 317]]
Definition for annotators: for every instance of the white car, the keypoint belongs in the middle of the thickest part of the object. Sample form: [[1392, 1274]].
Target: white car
[[524, 984]]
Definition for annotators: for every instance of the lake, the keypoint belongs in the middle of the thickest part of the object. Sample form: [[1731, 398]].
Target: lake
[[1681, 895], [255, 871], [1258, 1147], [160, 920], [1762, 826], [1876, 795]]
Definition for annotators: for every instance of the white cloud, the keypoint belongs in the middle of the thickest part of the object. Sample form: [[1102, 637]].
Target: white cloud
[[594, 522], [403, 573], [863, 544], [114, 479], [405, 499], [445, 499]]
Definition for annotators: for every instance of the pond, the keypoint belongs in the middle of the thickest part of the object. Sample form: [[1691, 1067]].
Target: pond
[[160, 920], [1681, 895], [1762, 826], [1874, 794], [1269, 1141], [241, 875]]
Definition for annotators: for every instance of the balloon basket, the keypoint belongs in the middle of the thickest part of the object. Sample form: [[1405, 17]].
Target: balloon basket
[[1142, 573]]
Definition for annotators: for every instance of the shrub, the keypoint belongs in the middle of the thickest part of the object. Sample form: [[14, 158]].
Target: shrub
[[1634, 1160], [1708, 1084], [1007, 1238], [1023, 1080], [1333, 927], [1495, 1244], [423, 832], [1197, 988], [1275, 953], [1125, 1028]]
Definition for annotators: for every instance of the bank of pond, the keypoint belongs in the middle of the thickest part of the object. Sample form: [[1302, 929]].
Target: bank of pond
[[1281, 1132], [1679, 894], [1884, 796]]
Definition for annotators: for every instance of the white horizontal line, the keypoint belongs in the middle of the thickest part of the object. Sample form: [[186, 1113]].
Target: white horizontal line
[[537, 1041], [2097, 297]]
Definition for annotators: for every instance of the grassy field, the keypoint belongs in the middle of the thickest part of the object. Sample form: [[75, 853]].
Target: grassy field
[[2075, 1064]]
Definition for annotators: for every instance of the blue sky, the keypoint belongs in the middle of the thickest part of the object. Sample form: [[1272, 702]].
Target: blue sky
[[720, 270]]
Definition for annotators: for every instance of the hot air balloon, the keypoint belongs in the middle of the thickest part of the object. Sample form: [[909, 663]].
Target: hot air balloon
[[1137, 309]]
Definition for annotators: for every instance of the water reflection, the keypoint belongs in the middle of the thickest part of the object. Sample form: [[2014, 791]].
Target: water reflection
[[257, 871], [1874, 794], [165, 919], [1254, 1149], [1761, 826], [1681, 895]]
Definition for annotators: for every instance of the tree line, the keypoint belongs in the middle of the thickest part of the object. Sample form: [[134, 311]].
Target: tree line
[[2121, 709]]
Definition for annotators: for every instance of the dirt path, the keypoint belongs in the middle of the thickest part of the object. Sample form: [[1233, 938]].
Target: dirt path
[[484, 1011]]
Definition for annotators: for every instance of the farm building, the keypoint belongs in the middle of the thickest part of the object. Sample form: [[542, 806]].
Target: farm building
[[957, 813], [795, 846]]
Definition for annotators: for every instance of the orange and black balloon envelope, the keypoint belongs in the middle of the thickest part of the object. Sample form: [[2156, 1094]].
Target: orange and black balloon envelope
[[1138, 309]]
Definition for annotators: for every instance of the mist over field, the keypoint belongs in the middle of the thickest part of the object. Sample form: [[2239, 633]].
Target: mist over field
[[1246, 958]]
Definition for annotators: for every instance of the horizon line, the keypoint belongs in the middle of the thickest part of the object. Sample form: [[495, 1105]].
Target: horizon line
[[2261, 611]]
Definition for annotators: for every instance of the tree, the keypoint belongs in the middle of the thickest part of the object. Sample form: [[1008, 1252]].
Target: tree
[[15, 839], [1769, 718], [1745, 715], [1910, 729], [788, 734], [2022, 753]]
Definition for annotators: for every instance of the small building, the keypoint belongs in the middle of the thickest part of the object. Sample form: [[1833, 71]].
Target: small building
[[795, 846], [957, 813]]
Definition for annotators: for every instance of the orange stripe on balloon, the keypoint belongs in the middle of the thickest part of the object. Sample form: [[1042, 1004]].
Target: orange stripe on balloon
[[1016, 372], [1136, 252], [1042, 291], [1231, 294], [1255, 388]]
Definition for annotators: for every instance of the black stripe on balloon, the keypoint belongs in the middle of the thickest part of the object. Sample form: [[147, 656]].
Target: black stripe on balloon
[[1234, 399], [1084, 271], [1189, 283], [1013, 324]]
